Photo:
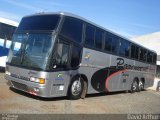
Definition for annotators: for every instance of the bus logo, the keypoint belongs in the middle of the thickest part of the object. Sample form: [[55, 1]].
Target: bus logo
[[87, 56], [59, 77], [120, 61]]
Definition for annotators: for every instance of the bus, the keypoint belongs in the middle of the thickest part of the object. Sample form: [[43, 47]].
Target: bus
[[7, 28], [62, 54]]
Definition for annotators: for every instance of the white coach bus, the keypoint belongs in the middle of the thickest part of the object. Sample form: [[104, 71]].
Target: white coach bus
[[7, 28]]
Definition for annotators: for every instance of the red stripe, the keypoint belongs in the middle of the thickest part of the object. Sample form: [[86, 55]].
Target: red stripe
[[113, 74]]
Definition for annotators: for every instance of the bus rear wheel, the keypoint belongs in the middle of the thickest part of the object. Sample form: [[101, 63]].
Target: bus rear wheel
[[76, 88], [134, 86], [140, 86]]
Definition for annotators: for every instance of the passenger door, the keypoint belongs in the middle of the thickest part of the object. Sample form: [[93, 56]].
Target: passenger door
[[60, 65], [66, 60]]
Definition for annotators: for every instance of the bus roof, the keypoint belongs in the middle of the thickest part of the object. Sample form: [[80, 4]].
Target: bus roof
[[81, 18], [9, 22]]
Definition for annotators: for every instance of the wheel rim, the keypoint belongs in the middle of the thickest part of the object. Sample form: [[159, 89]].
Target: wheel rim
[[76, 87], [140, 85], [134, 86]]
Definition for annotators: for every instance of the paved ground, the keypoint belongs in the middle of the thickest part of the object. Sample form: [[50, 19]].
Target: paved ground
[[13, 101]]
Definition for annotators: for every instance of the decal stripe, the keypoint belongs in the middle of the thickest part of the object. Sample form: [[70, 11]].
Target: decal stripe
[[3, 51], [110, 76]]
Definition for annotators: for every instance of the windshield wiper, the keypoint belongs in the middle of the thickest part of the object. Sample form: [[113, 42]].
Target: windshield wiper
[[23, 53]]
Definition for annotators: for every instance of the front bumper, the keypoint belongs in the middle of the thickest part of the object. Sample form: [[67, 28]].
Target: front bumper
[[28, 86]]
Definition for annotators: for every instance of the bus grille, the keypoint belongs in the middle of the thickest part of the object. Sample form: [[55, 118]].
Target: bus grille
[[19, 86], [20, 77]]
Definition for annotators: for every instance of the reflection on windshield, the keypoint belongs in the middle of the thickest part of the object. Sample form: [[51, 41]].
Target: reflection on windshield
[[30, 50]]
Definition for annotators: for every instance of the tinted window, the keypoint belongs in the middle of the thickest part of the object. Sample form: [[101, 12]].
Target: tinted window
[[124, 48], [137, 53], [133, 49], [115, 44], [31, 50], [108, 42], [6, 31], [72, 29], [98, 38], [154, 58], [61, 55], [76, 52], [39, 22], [149, 57], [143, 54], [89, 35]]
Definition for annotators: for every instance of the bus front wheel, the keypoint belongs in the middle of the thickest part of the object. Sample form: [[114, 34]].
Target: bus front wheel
[[76, 88]]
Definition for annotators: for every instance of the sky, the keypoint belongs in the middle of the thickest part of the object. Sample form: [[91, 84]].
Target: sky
[[129, 18]]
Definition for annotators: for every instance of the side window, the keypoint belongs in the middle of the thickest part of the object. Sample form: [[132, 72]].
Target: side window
[[98, 38], [61, 55], [6, 31], [1, 37], [154, 58], [133, 49], [72, 29], [115, 44], [0, 30], [8, 44], [124, 48], [149, 57], [108, 42], [2, 42], [76, 55], [89, 35], [143, 54], [137, 53]]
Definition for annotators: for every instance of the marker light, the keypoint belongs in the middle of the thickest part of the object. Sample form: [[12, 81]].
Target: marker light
[[41, 81], [37, 80]]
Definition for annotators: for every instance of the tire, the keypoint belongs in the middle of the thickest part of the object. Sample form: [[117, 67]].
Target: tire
[[134, 86], [140, 86], [158, 87], [76, 88]]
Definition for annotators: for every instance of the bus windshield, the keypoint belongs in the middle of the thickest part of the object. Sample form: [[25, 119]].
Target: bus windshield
[[31, 50]]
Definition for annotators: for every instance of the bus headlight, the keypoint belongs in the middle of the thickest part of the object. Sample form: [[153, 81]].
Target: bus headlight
[[37, 80]]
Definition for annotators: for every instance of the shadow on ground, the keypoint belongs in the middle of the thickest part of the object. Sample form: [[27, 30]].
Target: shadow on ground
[[2, 70], [65, 98]]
